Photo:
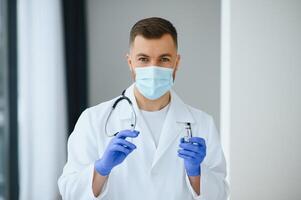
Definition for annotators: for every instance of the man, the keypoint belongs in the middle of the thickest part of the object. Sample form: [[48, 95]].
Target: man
[[154, 161]]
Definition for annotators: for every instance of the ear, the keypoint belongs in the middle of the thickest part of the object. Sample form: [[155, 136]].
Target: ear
[[178, 59], [129, 61], [176, 67], [130, 64]]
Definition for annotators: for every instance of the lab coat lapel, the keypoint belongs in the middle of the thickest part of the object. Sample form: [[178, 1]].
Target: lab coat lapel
[[145, 136], [177, 115]]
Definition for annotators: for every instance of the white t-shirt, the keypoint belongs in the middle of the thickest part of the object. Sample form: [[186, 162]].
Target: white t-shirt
[[154, 121]]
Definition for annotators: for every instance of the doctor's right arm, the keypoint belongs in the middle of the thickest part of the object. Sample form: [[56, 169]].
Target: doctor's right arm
[[116, 151], [98, 183], [85, 173], [76, 179]]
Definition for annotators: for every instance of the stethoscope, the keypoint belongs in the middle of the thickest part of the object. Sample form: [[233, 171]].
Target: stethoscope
[[134, 116], [187, 125]]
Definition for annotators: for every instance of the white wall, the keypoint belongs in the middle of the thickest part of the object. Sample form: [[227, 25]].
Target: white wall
[[198, 25], [265, 99], [261, 86]]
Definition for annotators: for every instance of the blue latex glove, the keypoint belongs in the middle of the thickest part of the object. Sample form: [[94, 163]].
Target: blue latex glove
[[193, 153], [117, 150]]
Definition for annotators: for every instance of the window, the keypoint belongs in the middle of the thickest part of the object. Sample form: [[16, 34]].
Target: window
[[8, 102], [3, 77]]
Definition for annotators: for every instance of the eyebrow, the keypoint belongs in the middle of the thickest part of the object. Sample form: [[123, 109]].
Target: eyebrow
[[162, 55], [141, 54]]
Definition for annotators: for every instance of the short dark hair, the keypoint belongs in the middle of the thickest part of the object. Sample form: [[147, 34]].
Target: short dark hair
[[153, 28]]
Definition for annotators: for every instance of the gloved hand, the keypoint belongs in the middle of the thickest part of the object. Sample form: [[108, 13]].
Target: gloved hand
[[193, 153], [117, 150]]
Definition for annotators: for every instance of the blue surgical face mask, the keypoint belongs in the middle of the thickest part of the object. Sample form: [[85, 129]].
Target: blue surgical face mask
[[153, 81]]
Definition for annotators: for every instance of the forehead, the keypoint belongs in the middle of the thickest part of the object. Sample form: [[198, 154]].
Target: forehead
[[153, 47]]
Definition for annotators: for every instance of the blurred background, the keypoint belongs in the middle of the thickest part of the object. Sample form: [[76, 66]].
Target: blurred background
[[240, 62]]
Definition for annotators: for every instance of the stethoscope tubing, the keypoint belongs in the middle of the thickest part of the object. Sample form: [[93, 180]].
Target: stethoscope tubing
[[121, 98]]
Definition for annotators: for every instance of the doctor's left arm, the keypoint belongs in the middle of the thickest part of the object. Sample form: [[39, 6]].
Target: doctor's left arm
[[215, 172], [76, 179], [213, 176]]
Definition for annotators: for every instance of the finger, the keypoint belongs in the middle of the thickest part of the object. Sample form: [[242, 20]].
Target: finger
[[191, 147], [187, 153], [182, 140], [127, 133], [185, 157], [120, 148], [197, 154], [125, 143], [193, 141], [198, 140]]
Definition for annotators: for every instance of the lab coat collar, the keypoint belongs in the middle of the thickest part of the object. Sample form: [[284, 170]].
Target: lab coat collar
[[178, 108]]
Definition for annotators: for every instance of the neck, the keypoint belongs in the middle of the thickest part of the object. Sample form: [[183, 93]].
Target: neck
[[151, 105]]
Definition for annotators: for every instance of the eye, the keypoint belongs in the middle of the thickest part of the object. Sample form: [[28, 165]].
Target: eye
[[143, 59], [165, 59]]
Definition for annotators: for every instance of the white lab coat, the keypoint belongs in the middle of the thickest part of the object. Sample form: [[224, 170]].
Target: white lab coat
[[148, 173]]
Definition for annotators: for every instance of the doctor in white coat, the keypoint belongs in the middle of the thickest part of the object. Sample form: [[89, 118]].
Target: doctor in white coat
[[153, 161]]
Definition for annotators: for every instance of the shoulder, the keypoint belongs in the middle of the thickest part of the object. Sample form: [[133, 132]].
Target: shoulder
[[98, 111], [91, 120]]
